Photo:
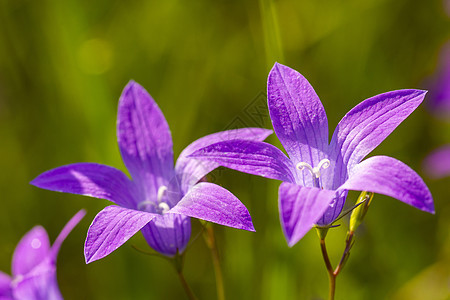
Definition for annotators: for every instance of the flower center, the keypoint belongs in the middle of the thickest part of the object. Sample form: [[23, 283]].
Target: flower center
[[161, 206], [315, 172]]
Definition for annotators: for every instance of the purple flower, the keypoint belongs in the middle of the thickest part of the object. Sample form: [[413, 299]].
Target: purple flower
[[318, 174], [34, 265], [447, 7], [437, 163], [440, 86], [161, 197]]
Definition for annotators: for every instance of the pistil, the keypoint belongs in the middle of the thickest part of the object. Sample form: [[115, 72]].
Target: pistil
[[315, 171]]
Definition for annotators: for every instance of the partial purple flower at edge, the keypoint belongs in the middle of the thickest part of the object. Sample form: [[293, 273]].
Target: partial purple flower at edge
[[437, 163], [439, 86], [446, 4], [318, 174], [161, 197], [34, 265]]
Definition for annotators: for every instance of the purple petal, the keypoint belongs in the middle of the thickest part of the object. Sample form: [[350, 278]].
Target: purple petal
[[65, 232], [388, 176], [251, 157], [297, 114], [168, 234], [5, 287], [34, 264], [40, 284], [364, 127], [112, 227], [213, 203], [92, 180], [191, 170], [32, 249], [300, 208], [437, 164], [334, 209], [144, 140]]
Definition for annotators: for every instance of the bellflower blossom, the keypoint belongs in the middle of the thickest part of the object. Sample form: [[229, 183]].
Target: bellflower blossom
[[318, 174], [439, 86], [34, 265], [437, 163], [447, 7], [161, 197]]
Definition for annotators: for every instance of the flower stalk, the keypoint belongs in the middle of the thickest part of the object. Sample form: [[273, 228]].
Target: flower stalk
[[333, 273], [358, 212], [178, 262], [186, 286], [210, 239]]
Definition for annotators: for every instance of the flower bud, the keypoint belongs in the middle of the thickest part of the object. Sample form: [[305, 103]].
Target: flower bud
[[360, 211]]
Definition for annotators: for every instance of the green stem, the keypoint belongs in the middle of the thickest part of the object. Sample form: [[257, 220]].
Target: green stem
[[211, 243], [331, 275], [332, 285], [178, 262], [186, 286], [345, 255]]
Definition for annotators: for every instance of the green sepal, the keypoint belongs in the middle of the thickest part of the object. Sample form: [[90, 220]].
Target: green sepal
[[322, 231]]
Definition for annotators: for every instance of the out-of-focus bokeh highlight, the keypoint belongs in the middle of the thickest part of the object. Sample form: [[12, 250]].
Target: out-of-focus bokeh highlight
[[63, 65]]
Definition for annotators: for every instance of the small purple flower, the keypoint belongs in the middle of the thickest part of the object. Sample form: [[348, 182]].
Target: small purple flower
[[161, 197], [34, 265], [318, 174], [437, 163], [447, 7], [439, 85]]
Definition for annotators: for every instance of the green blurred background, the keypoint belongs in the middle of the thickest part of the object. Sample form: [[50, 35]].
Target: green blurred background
[[63, 65]]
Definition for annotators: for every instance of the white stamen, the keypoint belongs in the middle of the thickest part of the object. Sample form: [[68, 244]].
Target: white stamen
[[162, 189], [324, 163], [164, 207], [159, 205]]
